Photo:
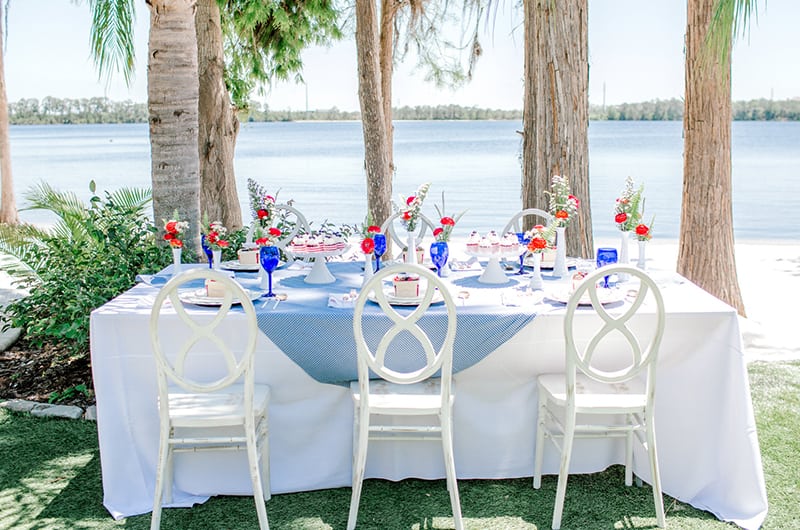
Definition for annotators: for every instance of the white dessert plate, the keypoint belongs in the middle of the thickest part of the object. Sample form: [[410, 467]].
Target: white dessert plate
[[548, 265], [234, 265], [398, 301], [199, 297], [606, 296]]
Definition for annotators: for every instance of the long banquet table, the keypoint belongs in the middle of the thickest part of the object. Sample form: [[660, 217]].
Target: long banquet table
[[708, 447]]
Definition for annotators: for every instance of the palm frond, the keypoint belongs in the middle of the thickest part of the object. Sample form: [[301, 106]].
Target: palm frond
[[42, 196], [730, 19], [132, 198], [112, 37]]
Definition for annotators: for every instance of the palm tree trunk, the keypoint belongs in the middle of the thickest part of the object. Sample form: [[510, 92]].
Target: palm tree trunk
[[218, 124], [556, 110], [8, 206], [373, 123], [172, 99], [706, 252], [388, 12]]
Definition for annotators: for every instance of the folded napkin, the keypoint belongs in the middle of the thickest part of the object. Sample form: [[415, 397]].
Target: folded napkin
[[472, 264], [152, 279], [342, 301]]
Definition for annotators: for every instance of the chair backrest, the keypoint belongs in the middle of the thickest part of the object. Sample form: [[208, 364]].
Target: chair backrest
[[515, 224], [374, 357], [643, 344], [285, 212], [176, 365], [388, 227]]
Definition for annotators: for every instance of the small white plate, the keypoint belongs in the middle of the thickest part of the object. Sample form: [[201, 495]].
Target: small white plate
[[605, 296], [199, 297], [548, 265], [394, 300], [234, 265]]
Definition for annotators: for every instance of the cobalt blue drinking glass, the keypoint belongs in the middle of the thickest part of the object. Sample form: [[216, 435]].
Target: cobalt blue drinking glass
[[522, 241], [380, 249], [270, 257], [207, 250], [439, 254], [606, 256]]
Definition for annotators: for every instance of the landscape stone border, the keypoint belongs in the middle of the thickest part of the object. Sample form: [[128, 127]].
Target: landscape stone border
[[47, 410]]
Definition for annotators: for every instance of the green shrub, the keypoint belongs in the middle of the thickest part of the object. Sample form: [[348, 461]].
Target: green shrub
[[91, 255]]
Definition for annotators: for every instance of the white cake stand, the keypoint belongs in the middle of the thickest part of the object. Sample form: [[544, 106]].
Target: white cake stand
[[319, 272], [493, 273]]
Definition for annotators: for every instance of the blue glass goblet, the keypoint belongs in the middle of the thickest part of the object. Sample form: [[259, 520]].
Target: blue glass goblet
[[522, 241], [439, 254], [380, 249], [270, 257], [207, 251], [606, 256]]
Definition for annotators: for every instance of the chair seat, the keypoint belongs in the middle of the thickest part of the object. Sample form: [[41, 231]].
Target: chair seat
[[220, 409], [391, 398], [595, 397]]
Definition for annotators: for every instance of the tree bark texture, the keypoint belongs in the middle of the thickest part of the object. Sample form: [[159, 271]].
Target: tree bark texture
[[373, 123], [218, 126], [556, 110], [8, 205], [387, 40], [706, 250], [172, 95]]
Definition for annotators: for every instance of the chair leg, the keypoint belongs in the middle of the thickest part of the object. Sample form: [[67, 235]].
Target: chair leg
[[360, 440], [164, 461], [264, 454], [450, 470], [540, 428], [658, 499], [254, 464], [563, 472], [629, 459]]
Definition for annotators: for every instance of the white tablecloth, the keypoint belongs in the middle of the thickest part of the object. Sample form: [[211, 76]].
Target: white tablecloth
[[708, 447]]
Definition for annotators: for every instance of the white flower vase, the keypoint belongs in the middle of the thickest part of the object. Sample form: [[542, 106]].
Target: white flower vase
[[368, 272], [560, 269], [176, 260], [623, 258], [640, 263], [536, 282], [216, 259], [411, 249], [263, 279]]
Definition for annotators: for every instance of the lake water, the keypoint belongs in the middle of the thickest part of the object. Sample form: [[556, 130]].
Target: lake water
[[477, 164]]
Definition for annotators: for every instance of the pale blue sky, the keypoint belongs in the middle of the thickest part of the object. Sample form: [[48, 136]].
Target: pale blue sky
[[635, 49]]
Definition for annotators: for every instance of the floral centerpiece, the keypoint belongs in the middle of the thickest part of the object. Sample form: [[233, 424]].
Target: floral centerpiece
[[443, 232], [173, 230], [563, 205], [214, 236], [629, 207], [413, 205], [269, 238], [644, 232], [262, 204], [368, 231], [541, 238]]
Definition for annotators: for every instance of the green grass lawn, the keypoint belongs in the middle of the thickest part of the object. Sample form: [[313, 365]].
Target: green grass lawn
[[50, 478]]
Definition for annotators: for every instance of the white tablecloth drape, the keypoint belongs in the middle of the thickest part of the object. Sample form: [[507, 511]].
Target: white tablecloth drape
[[708, 447]]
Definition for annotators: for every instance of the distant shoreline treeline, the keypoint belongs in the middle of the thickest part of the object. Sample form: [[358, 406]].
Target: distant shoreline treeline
[[51, 110]]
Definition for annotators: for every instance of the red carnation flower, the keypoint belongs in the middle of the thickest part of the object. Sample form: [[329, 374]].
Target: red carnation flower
[[171, 226], [269, 198], [261, 241], [222, 243], [275, 232], [642, 230], [537, 243], [410, 199], [406, 216], [262, 214], [367, 245], [438, 231], [538, 228], [621, 217], [447, 221], [575, 199], [169, 236], [374, 229], [176, 243], [562, 214]]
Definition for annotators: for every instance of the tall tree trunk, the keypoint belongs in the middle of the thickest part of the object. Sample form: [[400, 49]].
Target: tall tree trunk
[[8, 206], [373, 123], [172, 95], [556, 110], [388, 12], [218, 124], [706, 252]]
